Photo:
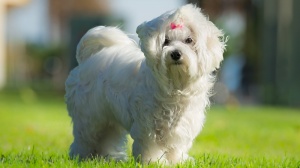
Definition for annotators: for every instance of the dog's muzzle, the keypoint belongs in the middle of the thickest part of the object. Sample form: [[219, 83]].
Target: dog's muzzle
[[176, 55]]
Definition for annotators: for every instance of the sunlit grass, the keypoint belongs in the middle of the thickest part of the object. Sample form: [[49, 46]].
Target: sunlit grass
[[35, 131], [42, 124], [251, 131]]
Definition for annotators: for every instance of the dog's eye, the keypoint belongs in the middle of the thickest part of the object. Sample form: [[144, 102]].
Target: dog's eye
[[167, 42], [188, 40]]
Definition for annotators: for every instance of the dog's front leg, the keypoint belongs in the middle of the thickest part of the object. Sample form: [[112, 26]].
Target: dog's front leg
[[147, 151], [178, 154]]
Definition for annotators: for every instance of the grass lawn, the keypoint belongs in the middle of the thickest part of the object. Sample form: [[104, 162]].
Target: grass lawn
[[35, 131]]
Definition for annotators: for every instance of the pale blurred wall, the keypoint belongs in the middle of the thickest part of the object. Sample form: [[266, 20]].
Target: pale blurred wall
[[25, 24], [29, 22], [135, 12], [62, 12], [2, 45], [4, 6], [41, 22]]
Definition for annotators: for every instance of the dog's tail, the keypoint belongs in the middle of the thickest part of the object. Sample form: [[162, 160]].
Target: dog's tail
[[98, 38]]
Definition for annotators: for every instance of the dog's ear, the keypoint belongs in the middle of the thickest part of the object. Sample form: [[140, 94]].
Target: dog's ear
[[210, 44], [215, 45], [146, 36]]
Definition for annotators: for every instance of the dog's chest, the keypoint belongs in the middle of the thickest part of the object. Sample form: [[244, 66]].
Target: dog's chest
[[166, 120]]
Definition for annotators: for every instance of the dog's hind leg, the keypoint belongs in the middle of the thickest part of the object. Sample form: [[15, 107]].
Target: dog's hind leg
[[83, 145], [112, 142], [109, 142]]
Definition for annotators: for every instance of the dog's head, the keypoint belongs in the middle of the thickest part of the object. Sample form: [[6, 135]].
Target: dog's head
[[181, 45]]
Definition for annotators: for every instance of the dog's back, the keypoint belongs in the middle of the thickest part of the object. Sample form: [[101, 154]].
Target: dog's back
[[98, 38]]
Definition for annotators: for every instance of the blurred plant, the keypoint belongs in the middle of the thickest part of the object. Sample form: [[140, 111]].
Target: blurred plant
[[46, 64]]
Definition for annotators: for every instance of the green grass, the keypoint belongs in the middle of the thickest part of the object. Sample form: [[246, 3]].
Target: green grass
[[35, 131]]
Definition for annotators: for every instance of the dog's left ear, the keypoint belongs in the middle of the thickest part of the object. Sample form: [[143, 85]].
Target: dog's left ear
[[212, 38], [215, 44]]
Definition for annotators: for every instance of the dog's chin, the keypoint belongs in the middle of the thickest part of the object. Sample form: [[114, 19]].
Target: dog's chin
[[179, 68], [178, 74]]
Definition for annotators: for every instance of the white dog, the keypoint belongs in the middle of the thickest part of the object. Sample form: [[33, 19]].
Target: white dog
[[157, 92]]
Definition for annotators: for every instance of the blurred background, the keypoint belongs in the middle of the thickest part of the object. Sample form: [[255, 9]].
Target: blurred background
[[38, 40]]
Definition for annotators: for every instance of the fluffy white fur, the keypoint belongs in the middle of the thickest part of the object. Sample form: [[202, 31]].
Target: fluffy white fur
[[120, 88]]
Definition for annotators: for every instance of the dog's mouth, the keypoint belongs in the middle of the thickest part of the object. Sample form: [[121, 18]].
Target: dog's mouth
[[177, 63], [178, 74]]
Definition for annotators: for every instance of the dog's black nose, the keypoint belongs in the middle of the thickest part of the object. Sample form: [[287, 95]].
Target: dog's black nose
[[175, 55]]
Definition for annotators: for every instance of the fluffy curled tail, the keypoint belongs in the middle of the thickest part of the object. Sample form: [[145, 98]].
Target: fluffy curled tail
[[98, 38]]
